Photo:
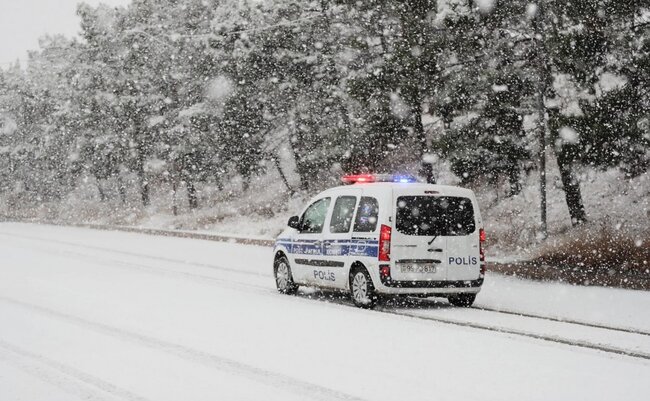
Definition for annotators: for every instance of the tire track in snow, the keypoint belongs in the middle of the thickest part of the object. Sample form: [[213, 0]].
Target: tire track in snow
[[73, 381], [337, 298], [423, 303], [562, 320], [306, 389], [543, 337]]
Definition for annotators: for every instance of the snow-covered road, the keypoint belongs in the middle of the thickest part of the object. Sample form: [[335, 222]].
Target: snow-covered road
[[88, 314]]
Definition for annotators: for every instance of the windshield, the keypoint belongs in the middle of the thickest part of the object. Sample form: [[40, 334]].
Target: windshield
[[434, 216]]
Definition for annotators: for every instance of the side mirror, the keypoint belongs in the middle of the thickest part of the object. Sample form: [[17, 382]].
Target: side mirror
[[294, 222]]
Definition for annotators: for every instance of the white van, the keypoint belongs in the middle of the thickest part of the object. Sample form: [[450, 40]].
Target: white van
[[383, 236]]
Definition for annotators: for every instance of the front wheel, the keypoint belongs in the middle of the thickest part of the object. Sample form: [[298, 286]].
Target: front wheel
[[283, 278], [362, 289], [462, 300]]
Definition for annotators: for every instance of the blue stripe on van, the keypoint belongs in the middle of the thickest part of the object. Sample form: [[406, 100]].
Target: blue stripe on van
[[334, 247]]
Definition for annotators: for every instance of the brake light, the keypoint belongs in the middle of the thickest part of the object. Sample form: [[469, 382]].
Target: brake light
[[384, 243], [481, 235]]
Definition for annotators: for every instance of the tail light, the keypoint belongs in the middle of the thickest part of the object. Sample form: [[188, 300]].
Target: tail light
[[481, 239], [384, 273], [384, 243]]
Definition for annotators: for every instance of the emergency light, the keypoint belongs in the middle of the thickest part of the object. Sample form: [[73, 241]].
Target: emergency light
[[353, 179], [368, 178]]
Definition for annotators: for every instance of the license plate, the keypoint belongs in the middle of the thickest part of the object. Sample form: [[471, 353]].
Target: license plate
[[417, 268]]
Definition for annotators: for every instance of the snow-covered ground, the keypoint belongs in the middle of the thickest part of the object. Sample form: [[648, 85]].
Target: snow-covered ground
[[88, 314]]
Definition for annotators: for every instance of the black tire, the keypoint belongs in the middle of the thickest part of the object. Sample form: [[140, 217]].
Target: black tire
[[462, 300], [362, 290], [283, 277]]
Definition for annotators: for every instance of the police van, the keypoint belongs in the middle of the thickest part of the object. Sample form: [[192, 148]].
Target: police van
[[384, 235]]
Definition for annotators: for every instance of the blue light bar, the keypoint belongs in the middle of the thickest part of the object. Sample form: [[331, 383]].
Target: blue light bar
[[404, 179]]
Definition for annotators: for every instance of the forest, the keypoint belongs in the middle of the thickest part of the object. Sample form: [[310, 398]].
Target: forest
[[194, 92]]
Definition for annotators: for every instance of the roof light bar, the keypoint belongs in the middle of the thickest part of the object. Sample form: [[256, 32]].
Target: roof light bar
[[367, 178]]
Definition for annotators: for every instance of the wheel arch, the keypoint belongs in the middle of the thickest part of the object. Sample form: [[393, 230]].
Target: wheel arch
[[279, 254], [355, 266]]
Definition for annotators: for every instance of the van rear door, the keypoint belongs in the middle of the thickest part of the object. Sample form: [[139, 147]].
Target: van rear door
[[433, 237], [416, 254], [463, 253]]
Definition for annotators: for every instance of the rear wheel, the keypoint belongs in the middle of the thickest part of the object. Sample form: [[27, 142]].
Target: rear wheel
[[462, 300], [283, 278], [361, 289]]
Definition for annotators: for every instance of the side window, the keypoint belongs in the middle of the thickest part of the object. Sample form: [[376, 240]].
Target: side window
[[313, 219], [342, 214], [366, 221]]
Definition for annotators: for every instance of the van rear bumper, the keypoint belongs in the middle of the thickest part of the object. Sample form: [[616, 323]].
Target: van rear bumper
[[433, 284], [425, 287]]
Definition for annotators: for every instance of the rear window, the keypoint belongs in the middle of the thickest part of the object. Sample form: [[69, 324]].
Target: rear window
[[434, 216]]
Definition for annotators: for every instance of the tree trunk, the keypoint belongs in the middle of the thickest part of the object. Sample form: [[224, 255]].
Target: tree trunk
[[543, 74], [142, 147], [301, 169], [514, 182], [102, 195], [427, 171], [418, 127], [174, 196], [191, 194], [145, 193], [245, 180], [121, 188], [420, 137], [144, 184], [276, 161], [572, 191]]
